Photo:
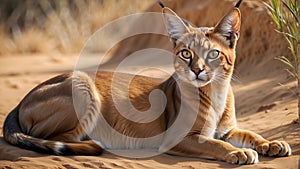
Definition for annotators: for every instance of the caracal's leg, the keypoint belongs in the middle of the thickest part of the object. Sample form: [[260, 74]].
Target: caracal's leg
[[200, 146]]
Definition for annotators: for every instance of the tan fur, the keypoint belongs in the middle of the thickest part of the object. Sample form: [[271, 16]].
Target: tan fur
[[64, 114]]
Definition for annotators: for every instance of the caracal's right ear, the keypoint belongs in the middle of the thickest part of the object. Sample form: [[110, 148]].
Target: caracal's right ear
[[175, 26]]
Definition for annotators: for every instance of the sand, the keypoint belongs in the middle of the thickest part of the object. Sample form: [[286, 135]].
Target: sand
[[266, 102]]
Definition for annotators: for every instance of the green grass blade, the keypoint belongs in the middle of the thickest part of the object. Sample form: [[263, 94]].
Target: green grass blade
[[293, 12]]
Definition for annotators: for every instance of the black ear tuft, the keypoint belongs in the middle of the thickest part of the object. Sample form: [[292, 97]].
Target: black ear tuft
[[238, 3], [160, 3]]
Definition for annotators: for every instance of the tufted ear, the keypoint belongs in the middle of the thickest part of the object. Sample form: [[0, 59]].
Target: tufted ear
[[175, 26], [229, 27]]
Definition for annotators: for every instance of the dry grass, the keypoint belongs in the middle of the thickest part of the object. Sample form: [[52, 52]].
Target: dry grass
[[59, 25]]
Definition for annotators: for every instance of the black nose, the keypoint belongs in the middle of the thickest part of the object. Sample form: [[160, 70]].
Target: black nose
[[197, 71]]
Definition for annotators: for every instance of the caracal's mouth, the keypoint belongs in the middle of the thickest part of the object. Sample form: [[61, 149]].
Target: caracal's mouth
[[199, 81]]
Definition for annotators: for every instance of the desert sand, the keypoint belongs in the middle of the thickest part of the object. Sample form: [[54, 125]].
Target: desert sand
[[266, 100]]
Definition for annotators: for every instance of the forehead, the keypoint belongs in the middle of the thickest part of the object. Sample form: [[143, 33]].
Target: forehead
[[197, 39]]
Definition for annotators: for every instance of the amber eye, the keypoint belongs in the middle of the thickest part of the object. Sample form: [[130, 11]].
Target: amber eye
[[213, 54], [186, 54]]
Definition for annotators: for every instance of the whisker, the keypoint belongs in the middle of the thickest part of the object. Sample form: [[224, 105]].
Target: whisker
[[219, 78], [235, 78]]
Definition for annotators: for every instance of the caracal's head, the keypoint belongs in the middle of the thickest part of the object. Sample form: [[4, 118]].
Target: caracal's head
[[204, 55]]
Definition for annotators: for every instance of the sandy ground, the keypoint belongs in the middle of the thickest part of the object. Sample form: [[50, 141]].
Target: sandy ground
[[266, 102], [273, 120]]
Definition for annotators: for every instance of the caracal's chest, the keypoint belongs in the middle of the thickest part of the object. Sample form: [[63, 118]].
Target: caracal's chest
[[209, 118]]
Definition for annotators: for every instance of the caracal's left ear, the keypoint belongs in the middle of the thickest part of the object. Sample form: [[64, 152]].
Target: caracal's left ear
[[228, 28], [176, 27]]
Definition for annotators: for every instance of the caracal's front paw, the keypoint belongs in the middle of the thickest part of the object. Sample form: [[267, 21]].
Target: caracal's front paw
[[242, 156], [274, 148]]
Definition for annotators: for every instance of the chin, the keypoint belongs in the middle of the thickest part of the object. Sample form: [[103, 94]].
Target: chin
[[199, 83]]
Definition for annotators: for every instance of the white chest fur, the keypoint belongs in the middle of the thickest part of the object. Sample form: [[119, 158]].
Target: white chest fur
[[218, 96]]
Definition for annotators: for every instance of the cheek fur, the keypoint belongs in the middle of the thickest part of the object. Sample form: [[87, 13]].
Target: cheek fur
[[226, 63], [180, 65]]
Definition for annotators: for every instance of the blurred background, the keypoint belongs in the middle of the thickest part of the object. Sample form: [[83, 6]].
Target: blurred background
[[57, 26]]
